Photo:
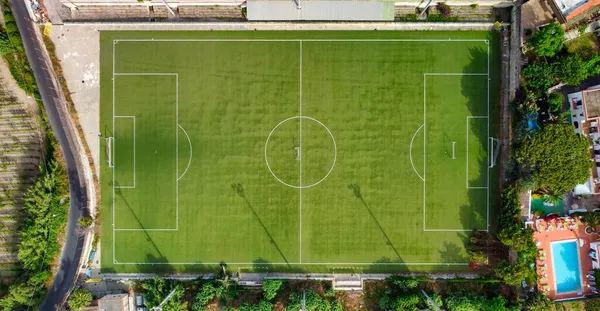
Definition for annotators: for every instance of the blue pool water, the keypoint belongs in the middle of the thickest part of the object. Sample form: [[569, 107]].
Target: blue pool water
[[565, 260]]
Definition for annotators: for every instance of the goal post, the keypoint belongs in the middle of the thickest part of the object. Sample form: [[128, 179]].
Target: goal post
[[109, 141], [453, 150], [494, 151]]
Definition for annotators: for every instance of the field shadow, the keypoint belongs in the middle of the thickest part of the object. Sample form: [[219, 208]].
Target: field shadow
[[355, 188], [386, 265], [239, 190], [452, 252], [473, 217], [118, 192]]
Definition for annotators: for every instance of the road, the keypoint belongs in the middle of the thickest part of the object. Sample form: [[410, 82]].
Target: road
[[71, 252]]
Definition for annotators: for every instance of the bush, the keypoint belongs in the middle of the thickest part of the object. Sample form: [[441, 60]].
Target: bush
[[79, 299], [474, 6], [555, 101], [270, 288], [84, 221], [444, 9], [571, 69], [548, 40], [558, 158], [538, 77]]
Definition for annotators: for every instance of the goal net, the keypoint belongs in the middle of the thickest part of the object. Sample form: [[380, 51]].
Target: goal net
[[109, 160], [495, 150]]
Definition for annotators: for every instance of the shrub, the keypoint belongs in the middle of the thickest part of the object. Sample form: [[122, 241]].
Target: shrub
[[474, 6], [538, 77], [548, 40], [444, 9], [571, 69], [84, 221], [270, 288], [79, 299], [555, 101]]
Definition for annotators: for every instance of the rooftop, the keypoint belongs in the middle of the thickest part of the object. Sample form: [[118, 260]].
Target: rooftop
[[568, 6], [591, 98]]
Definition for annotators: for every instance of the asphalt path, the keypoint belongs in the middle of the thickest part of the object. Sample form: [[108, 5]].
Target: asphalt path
[[71, 252]]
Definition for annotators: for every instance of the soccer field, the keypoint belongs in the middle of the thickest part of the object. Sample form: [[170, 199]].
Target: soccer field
[[296, 151]]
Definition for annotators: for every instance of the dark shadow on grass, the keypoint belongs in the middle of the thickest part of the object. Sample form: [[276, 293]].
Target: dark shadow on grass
[[148, 238], [386, 265], [239, 189], [474, 216], [356, 191], [452, 253]]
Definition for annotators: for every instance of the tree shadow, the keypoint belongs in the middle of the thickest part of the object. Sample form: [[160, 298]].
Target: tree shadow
[[479, 105], [357, 193], [453, 253], [239, 190], [480, 219]]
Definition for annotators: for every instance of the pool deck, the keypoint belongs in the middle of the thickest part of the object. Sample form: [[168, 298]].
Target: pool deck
[[561, 229]]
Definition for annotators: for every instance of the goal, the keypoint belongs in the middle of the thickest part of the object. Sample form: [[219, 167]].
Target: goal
[[109, 141], [495, 148]]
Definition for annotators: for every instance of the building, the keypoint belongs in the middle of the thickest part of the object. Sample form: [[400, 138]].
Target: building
[[585, 117], [260, 10], [115, 302], [568, 10]]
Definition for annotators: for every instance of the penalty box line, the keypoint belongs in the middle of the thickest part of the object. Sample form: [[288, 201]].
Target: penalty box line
[[467, 136], [114, 229], [177, 177]]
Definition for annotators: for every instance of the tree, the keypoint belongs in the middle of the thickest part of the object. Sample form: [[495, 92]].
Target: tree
[[555, 101], [571, 69], [270, 288], [513, 274], [263, 305], [407, 302], [207, 293], [558, 158], [157, 289], [314, 302], [548, 40], [538, 77], [79, 299], [539, 302]]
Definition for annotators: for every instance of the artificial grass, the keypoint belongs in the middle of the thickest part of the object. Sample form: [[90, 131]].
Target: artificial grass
[[362, 106]]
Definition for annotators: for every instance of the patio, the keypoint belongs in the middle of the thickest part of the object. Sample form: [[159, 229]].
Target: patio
[[554, 229]]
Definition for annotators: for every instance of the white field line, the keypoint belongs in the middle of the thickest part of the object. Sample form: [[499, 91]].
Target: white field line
[[410, 152], [488, 135], [300, 132], [307, 263], [134, 167], [297, 40], [177, 126], [190, 159], [467, 137], [424, 148], [300, 40], [113, 171]]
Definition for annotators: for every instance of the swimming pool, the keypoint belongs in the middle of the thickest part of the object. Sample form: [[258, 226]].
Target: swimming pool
[[566, 266]]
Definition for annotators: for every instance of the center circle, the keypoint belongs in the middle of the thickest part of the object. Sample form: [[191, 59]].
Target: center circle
[[300, 152]]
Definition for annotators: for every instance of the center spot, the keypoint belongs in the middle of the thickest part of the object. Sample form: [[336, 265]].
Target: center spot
[[300, 152]]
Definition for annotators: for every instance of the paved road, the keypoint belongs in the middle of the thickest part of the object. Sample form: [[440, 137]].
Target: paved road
[[71, 251]]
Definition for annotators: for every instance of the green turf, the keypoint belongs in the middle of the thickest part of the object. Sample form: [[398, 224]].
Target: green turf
[[266, 188]]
